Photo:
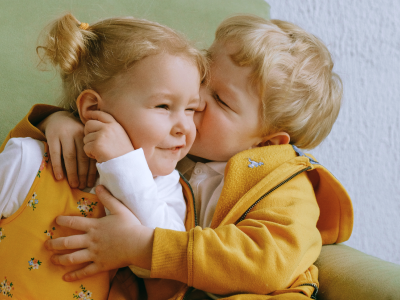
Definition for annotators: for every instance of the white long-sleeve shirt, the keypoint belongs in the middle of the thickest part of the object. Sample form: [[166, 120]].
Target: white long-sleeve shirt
[[156, 202]]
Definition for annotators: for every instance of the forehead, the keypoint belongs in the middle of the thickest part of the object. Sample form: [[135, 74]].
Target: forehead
[[227, 75], [159, 68]]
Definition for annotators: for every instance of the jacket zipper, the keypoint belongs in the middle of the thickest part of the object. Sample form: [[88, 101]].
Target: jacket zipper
[[314, 294], [190, 289], [194, 202], [245, 214], [270, 191]]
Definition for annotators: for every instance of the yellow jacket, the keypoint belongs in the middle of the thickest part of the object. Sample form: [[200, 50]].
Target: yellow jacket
[[277, 208]]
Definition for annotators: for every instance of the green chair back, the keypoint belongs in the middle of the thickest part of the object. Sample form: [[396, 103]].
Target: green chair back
[[22, 84]]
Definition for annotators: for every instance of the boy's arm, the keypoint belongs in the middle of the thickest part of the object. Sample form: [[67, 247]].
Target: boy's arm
[[27, 126], [267, 251], [64, 135]]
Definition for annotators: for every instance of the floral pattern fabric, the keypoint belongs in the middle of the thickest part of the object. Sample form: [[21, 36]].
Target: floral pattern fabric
[[43, 164], [86, 207], [34, 264], [39, 212], [6, 288], [32, 203], [50, 232], [2, 236], [84, 294]]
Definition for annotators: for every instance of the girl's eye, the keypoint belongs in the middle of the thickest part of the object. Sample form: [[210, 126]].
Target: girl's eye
[[163, 106], [193, 108]]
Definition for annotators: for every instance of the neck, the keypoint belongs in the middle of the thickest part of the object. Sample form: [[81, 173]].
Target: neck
[[198, 159]]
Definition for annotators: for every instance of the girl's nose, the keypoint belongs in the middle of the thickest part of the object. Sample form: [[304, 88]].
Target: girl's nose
[[182, 125], [202, 104]]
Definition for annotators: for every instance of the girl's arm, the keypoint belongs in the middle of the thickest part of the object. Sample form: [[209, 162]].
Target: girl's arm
[[155, 202], [19, 165]]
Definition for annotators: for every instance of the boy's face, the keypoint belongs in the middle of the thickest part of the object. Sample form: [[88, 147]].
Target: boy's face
[[230, 121], [155, 102]]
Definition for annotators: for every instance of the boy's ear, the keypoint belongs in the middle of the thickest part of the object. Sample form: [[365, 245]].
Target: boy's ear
[[87, 101], [279, 138]]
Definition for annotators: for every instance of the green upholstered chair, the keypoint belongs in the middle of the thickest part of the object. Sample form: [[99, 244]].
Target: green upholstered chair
[[22, 84], [345, 273]]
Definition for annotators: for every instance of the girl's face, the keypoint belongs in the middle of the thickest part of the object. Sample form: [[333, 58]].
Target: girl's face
[[154, 102]]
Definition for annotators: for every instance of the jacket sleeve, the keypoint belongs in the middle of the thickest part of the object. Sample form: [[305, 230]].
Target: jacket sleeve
[[27, 126], [276, 243]]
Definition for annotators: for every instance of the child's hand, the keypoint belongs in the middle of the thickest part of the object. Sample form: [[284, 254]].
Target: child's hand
[[64, 135], [111, 242], [105, 138]]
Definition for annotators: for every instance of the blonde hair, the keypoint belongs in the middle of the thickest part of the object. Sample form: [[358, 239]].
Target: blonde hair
[[89, 56], [292, 71]]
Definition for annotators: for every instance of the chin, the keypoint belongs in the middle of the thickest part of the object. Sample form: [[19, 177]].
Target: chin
[[163, 172]]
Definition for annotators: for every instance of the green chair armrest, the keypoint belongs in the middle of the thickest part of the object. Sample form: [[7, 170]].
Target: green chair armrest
[[348, 274]]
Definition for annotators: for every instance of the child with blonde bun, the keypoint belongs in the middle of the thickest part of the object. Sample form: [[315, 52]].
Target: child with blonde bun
[[262, 208], [135, 85]]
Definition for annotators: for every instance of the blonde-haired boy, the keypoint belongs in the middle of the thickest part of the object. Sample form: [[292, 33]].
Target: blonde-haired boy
[[261, 208]]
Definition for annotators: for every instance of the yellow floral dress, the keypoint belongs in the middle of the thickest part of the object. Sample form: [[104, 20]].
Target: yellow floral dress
[[26, 271]]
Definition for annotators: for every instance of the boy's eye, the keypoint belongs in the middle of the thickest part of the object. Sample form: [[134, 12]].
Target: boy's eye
[[218, 99], [163, 106]]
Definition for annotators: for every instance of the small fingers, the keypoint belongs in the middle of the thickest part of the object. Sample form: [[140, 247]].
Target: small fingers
[[70, 242], [113, 204], [69, 154], [83, 163], [55, 155], [93, 126], [78, 223], [90, 270], [100, 116], [108, 200], [89, 138], [92, 174], [71, 259]]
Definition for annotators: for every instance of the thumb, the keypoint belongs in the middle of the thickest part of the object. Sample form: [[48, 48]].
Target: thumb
[[100, 116], [109, 201]]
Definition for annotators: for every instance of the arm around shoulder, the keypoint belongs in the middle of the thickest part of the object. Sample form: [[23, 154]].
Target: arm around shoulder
[[27, 126], [267, 251]]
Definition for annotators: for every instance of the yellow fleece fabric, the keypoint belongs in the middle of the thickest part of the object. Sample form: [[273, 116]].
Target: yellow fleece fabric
[[26, 271], [275, 212]]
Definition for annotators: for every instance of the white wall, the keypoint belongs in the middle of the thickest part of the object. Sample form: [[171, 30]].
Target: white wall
[[363, 149]]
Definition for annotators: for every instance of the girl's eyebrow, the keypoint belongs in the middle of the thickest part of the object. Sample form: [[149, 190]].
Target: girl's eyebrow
[[162, 95]]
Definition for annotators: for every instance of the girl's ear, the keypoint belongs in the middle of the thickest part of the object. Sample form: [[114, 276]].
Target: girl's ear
[[279, 138], [87, 101]]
